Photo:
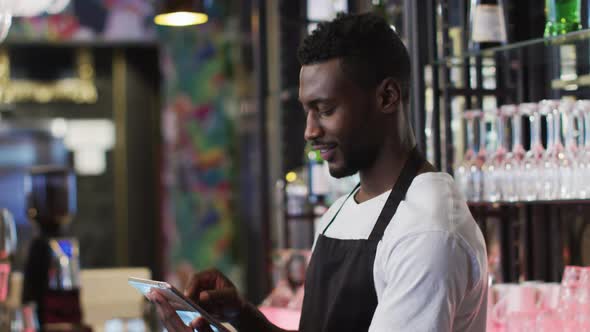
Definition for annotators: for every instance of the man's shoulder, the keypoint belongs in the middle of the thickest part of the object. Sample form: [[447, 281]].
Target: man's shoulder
[[435, 214]]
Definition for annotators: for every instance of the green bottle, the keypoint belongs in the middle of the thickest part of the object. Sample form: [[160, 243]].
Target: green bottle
[[563, 16]]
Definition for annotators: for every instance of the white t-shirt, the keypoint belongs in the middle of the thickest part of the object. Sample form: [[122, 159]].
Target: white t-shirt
[[430, 268]]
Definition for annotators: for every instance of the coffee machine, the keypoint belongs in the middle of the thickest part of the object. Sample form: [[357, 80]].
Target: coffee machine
[[52, 271]]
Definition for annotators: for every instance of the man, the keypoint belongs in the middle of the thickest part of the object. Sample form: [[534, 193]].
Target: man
[[401, 252]]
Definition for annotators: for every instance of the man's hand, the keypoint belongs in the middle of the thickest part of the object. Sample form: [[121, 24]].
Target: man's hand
[[209, 289], [215, 293]]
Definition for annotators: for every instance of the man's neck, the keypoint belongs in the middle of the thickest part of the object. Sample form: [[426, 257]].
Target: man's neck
[[383, 174]]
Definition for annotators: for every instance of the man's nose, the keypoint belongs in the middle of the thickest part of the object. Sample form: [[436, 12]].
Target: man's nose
[[312, 128]]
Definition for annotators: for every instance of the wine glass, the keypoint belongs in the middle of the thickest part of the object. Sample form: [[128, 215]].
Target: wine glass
[[468, 169], [583, 178], [480, 158], [551, 159], [569, 158], [511, 187], [533, 160], [492, 170]]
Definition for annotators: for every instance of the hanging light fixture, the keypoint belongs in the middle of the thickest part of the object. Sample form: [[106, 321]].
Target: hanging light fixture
[[181, 13]]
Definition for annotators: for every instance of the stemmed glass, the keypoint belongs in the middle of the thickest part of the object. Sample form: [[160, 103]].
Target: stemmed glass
[[467, 173], [583, 178], [569, 159], [550, 171], [493, 170], [533, 160], [480, 159], [511, 188]]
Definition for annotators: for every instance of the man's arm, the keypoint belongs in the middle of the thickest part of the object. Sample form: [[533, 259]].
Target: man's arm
[[426, 276]]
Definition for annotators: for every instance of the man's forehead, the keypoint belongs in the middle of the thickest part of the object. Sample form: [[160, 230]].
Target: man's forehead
[[319, 79]]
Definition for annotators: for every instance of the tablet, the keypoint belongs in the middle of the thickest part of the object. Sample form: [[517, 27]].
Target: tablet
[[186, 309]]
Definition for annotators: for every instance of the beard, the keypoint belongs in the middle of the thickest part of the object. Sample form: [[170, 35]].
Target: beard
[[355, 157]]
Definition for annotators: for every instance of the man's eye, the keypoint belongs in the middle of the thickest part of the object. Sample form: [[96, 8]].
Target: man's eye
[[327, 112]]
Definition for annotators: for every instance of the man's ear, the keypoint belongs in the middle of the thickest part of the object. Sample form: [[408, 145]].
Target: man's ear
[[389, 96]]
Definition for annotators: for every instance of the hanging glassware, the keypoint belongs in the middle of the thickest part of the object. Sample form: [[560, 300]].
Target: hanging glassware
[[533, 160], [568, 158], [583, 177], [481, 158], [493, 170], [550, 188], [466, 172], [513, 164]]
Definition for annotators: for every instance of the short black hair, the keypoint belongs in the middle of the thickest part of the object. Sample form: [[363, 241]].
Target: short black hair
[[369, 49]]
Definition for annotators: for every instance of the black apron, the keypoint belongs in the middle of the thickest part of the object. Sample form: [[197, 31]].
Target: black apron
[[339, 288]]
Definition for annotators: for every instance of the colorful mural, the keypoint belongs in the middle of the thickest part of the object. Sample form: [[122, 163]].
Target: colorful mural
[[198, 131]]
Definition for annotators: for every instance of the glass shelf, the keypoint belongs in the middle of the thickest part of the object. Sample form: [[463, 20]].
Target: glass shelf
[[574, 38], [523, 203]]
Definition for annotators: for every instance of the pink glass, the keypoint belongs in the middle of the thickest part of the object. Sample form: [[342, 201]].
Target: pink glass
[[571, 275], [518, 307], [568, 301], [548, 319], [521, 322], [583, 300], [542, 307]]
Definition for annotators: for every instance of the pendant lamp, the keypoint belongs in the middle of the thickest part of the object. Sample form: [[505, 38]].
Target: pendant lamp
[[181, 13]]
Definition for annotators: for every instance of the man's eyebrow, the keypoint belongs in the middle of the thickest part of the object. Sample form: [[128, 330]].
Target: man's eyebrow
[[315, 101]]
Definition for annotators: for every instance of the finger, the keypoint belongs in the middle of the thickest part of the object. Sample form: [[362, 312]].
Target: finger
[[201, 281], [224, 296], [221, 303], [201, 325], [168, 315]]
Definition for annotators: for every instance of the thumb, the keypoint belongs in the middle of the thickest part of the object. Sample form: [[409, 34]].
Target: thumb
[[201, 325]]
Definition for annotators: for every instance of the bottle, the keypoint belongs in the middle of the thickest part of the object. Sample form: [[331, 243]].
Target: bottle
[[318, 176], [380, 8], [563, 16], [390, 13], [488, 24]]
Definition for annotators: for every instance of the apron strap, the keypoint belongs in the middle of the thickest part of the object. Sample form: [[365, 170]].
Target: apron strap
[[340, 208], [398, 193]]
